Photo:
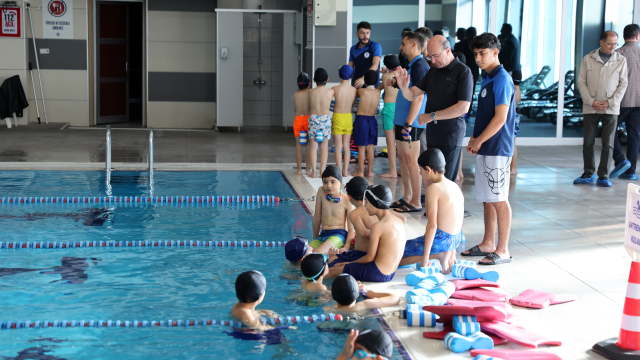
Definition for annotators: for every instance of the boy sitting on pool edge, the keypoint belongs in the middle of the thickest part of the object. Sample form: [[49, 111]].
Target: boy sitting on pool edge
[[387, 241], [250, 289], [445, 211], [332, 214]]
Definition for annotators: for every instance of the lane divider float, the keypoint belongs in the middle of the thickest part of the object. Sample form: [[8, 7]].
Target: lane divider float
[[156, 200], [287, 320], [138, 244]]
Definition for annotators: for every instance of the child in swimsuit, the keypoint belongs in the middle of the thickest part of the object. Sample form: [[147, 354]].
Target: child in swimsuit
[[296, 249], [342, 127], [387, 241], [314, 268], [250, 289], [301, 107], [320, 120], [445, 210], [332, 213], [367, 344], [345, 290]]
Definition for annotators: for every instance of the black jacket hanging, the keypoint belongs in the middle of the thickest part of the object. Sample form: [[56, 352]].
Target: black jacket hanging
[[12, 98]]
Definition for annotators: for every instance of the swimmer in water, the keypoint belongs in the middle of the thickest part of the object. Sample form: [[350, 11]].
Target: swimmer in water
[[314, 268], [332, 214], [367, 344], [345, 291], [250, 289], [296, 249]]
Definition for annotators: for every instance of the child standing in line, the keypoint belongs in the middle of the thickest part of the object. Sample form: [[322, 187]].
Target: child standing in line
[[320, 120], [365, 128], [302, 109], [391, 62], [345, 96]]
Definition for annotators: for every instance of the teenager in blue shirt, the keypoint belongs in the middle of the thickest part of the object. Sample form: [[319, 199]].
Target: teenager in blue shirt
[[365, 55], [492, 142]]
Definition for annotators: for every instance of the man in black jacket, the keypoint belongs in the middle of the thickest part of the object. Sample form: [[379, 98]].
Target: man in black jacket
[[509, 55], [468, 53]]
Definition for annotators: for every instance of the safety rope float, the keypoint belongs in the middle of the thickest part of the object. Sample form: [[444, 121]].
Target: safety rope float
[[138, 244], [158, 200], [288, 320]]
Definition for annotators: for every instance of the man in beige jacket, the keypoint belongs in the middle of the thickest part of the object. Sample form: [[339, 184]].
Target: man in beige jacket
[[625, 168], [602, 82]]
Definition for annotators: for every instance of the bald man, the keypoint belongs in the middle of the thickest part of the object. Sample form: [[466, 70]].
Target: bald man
[[449, 90]]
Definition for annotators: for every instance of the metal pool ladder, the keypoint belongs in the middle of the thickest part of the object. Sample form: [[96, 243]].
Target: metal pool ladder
[[108, 154], [150, 155]]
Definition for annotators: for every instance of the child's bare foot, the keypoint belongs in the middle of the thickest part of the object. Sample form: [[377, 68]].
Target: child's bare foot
[[443, 257], [370, 174], [357, 174], [345, 173], [389, 175], [298, 172]]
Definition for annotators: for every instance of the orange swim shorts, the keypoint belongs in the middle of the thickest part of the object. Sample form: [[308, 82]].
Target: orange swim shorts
[[301, 123]]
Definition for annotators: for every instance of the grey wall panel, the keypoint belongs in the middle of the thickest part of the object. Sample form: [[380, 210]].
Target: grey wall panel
[[230, 70], [333, 35], [589, 26], [183, 5], [387, 35], [386, 2], [331, 59], [449, 18], [182, 87], [64, 54]]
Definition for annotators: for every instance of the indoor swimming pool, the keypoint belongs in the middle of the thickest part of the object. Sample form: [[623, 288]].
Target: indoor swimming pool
[[74, 286]]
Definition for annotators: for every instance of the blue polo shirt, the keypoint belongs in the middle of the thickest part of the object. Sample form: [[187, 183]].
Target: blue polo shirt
[[418, 68], [497, 89], [362, 58]]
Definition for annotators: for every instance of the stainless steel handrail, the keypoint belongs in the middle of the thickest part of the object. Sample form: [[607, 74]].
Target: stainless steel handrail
[[108, 154], [151, 156]]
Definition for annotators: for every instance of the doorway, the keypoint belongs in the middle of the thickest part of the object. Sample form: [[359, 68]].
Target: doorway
[[119, 63]]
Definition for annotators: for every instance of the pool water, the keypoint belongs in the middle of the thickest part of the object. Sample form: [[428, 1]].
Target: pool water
[[153, 284]]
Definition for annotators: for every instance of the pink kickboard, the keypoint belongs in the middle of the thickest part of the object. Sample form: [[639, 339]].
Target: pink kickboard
[[439, 335], [469, 284], [480, 295], [539, 300], [517, 354], [482, 313], [517, 335]]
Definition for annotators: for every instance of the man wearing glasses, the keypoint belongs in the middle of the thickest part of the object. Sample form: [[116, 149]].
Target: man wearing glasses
[[602, 82], [449, 90]]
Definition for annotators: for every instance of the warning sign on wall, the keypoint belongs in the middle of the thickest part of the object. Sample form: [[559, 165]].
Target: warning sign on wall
[[10, 22], [57, 19]]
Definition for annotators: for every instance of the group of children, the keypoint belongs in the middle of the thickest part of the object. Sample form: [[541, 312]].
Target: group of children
[[314, 125]]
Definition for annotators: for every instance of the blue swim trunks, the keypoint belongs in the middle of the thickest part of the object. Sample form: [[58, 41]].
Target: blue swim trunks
[[442, 242], [337, 237], [348, 256], [366, 272], [517, 132]]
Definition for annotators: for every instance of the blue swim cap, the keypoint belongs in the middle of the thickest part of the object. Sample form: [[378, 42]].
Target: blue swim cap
[[345, 72], [295, 249]]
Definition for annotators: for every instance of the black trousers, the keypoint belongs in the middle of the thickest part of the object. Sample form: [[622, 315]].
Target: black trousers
[[631, 117], [452, 157]]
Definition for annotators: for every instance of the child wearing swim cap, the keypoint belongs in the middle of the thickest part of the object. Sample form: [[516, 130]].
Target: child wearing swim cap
[[345, 290], [445, 210], [386, 245], [296, 249], [302, 108], [320, 120], [314, 267], [342, 127], [365, 127], [332, 214], [367, 344], [250, 289]]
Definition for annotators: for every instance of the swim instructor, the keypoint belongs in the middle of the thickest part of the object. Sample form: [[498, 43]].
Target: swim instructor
[[365, 55]]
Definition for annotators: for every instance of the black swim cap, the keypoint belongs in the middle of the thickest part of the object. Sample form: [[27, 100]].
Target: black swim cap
[[356, 187], [432, 158], [377, 342], [333, 171], [391, 62], [344, 289], [379, 196], [370, 77], [295, 249], [250, 286], [320, 75], [304, 79], [313, 266]]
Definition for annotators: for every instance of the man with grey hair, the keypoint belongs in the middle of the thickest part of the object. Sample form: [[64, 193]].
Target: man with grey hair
[[449, 90], [602, 82]]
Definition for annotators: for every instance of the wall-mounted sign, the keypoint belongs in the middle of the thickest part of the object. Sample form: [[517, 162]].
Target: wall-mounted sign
[[57, 19], [10, 22]]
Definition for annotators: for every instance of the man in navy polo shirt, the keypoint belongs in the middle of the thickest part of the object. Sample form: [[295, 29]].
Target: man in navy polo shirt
[[406, 128], [492, 142], [365, 55]]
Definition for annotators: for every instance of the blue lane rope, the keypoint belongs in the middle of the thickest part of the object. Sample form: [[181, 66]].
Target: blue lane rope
[[137, 244], [157, 200], [287, 320]]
